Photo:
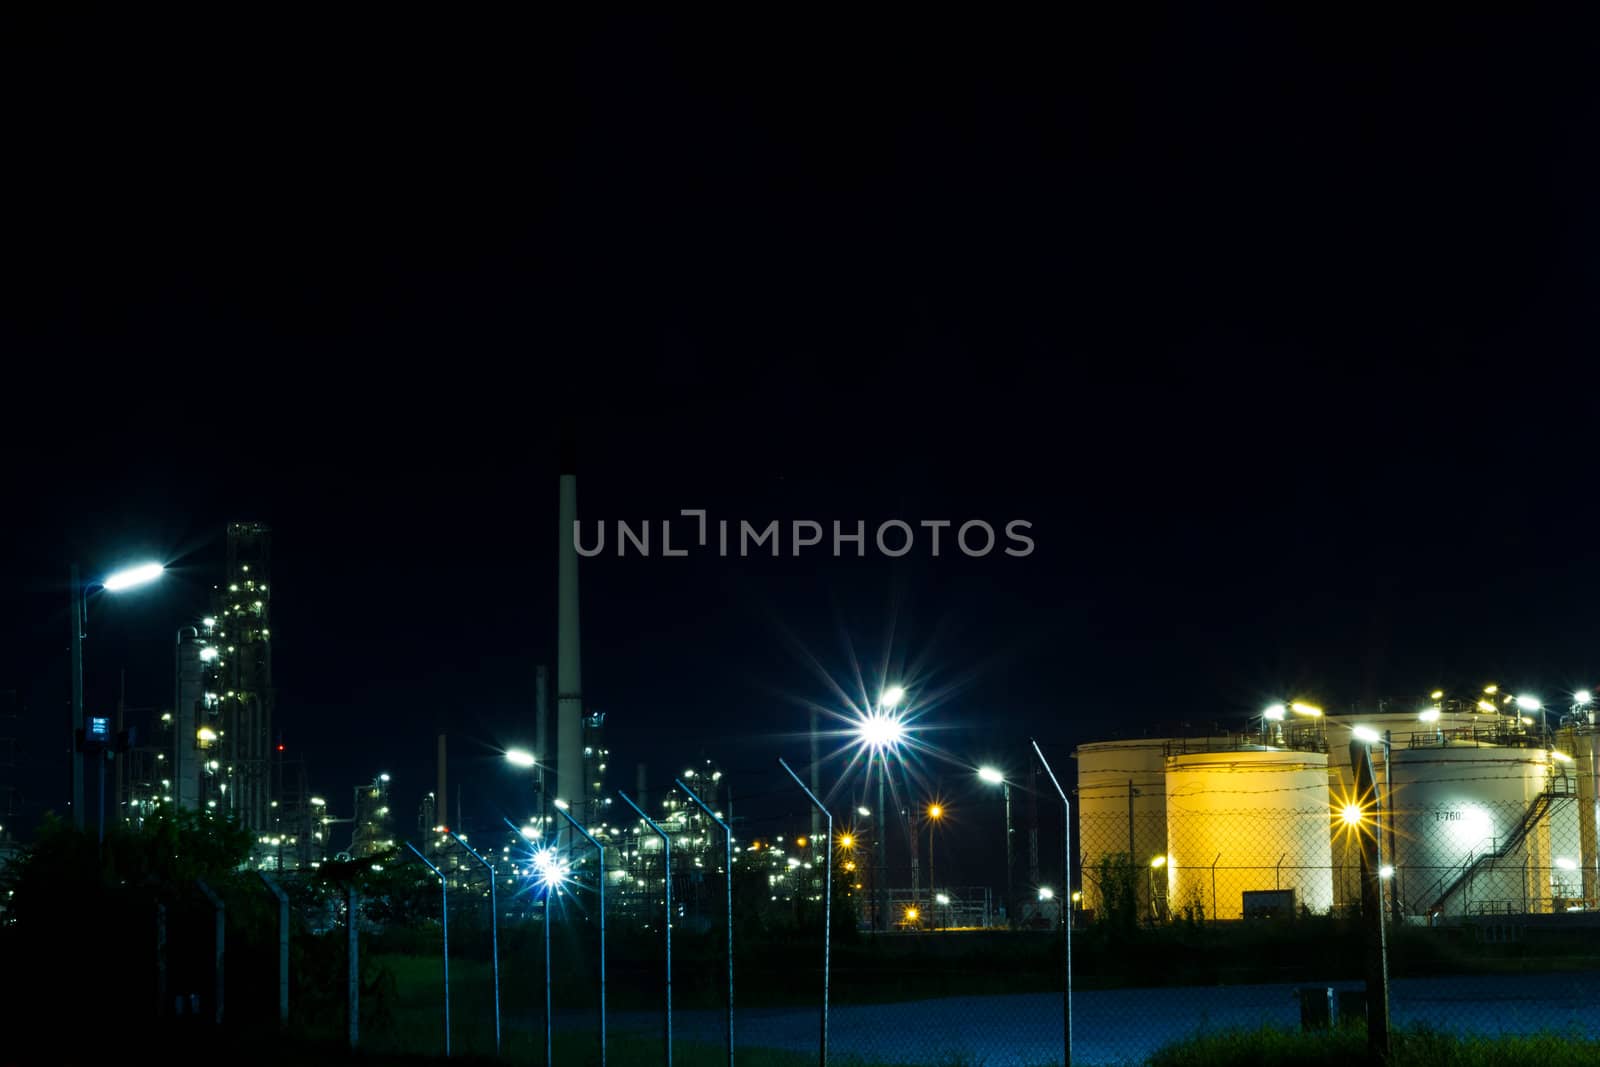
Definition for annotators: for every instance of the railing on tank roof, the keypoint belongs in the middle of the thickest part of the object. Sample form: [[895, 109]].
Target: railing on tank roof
[[1501, 734], [1298, 740]]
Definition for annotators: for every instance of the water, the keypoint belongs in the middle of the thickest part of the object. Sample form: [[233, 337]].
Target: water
[[1126, 1025]]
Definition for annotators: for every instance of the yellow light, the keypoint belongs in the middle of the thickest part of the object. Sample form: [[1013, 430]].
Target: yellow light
[[1300, 708], [1491, 689], [935, 811], [205, 735], [1437, 694], [1485, 705], [1158, 863], [850, 865], [1352, 814], [912, 914], [847, 841], [1429, 715], [800, 841], [1561, 757]]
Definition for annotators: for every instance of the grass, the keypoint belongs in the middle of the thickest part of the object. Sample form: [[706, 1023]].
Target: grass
[[1345, 1048]]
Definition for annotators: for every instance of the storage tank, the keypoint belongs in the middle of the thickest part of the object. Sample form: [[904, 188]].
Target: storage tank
[[1247, 821], [1472, 828], [1110, 774]]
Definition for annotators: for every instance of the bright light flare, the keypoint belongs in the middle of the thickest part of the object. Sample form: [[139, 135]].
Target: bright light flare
[[530, 832], [1299, 707], [892, 696], [991, 775], [1276, 712], [1527, 703], [847, 841], [935, 811], [1565, 864], [1437, 694], [1386, 871], [205, 735], [1365, 733], [1158, 862], [1560, 757], [940, 898], [1583, 698], [1046, 893], [519, 757], [207, 654], [912, 915], [550, 869], [881, 732], [132, 576], [1429, 715], [1352, 815]]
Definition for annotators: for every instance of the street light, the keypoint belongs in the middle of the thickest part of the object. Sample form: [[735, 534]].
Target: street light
[[119, 581], [1528, 703], [880, 732], [993, 776], [935, 813], [518, 757]]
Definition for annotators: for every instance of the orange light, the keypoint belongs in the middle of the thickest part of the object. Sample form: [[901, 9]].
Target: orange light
[[935, 811]]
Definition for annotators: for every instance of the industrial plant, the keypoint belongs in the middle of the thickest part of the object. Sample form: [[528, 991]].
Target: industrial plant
[[1485, 805]]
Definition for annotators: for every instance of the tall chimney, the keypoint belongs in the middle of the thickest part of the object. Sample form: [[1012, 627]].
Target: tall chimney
[[569, 671], [442, 807], [541, 728]]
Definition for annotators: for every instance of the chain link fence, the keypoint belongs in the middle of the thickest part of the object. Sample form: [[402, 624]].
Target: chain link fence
[[1236, 905]]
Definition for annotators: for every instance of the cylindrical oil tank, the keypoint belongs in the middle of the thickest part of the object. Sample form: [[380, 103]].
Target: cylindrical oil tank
[[1252, 821], [1472, 829], [1122, 813]]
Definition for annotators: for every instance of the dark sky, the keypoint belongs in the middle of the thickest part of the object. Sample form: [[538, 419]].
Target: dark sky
[[1279, 333]]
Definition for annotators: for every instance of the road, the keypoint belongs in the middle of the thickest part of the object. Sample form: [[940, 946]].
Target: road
[[1126, 1025]]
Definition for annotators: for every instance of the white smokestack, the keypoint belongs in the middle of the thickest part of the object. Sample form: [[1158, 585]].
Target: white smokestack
[[569, 669]]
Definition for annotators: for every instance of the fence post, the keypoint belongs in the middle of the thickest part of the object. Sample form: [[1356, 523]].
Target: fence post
[[494, 936], [352, 959], [666, 855], [444, 925], [283, 946], [827, 910], [1066, 927], [219, 941], [727, 842], [1377, 960], [600, 882]]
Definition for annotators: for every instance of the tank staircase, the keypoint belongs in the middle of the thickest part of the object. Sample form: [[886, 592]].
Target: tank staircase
[[1559, 788]]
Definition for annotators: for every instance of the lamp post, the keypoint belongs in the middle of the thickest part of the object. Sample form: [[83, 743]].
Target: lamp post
[[881, 732], [994, 777], [116, 583], [935, 813]]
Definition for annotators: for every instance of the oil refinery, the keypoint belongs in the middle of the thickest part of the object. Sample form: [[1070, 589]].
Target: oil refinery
[[1484, 806]]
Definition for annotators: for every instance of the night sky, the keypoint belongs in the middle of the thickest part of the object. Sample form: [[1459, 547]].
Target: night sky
[[1277, 332]]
